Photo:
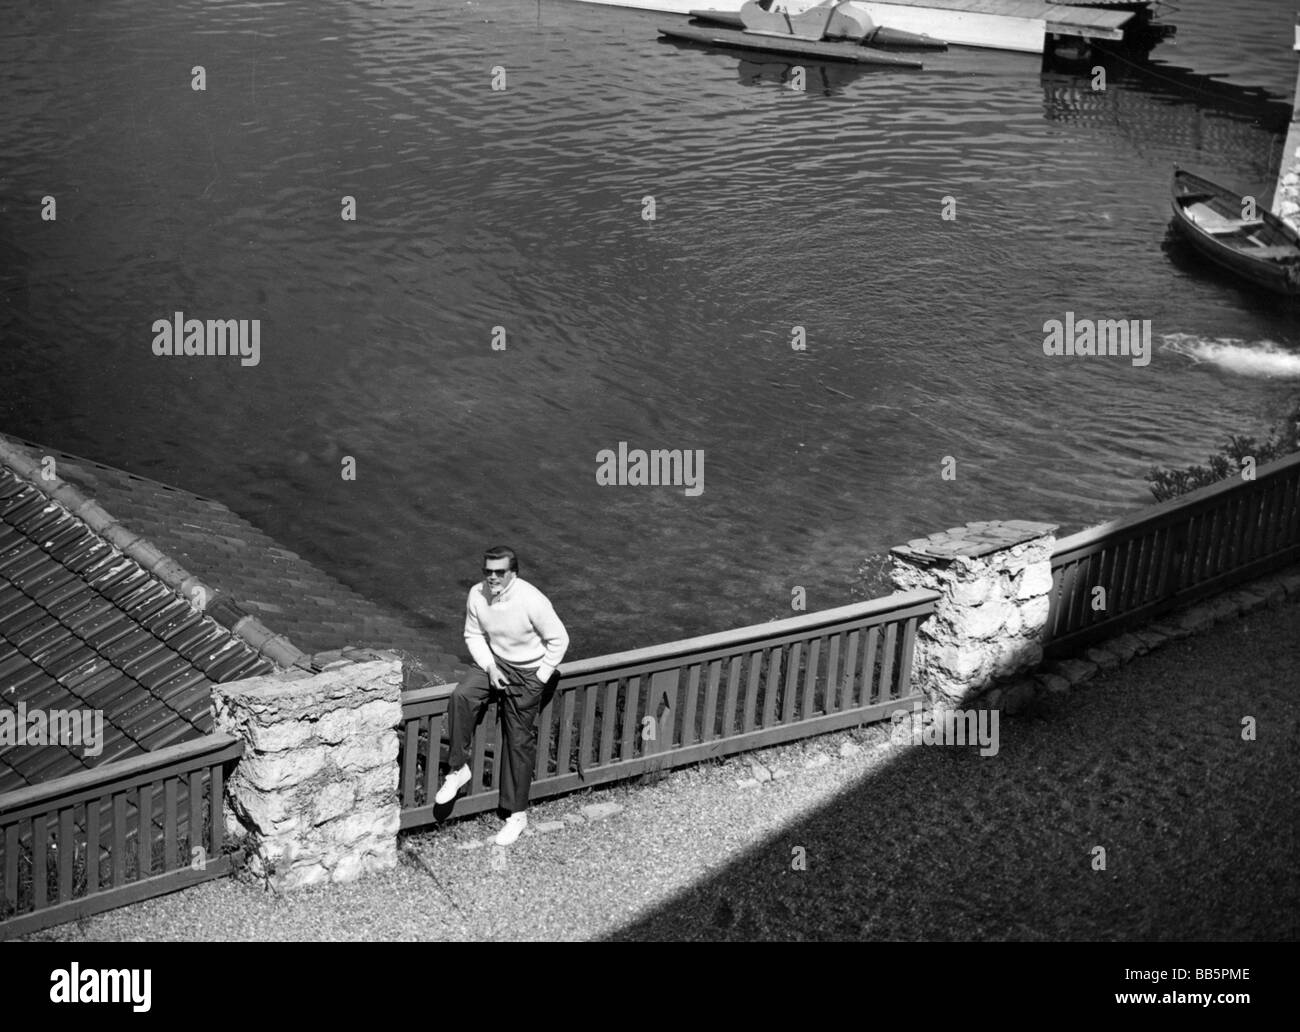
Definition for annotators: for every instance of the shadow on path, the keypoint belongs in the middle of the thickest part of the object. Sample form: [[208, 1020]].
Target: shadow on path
[[1198, 826]]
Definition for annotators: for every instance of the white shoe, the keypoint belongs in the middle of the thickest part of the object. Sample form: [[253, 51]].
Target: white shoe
[[512, 829], [456, 780]]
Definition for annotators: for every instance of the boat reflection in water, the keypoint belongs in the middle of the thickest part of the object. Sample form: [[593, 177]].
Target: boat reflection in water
[[827, 78]]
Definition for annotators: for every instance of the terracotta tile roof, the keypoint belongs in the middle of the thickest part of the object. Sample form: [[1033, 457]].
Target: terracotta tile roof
[[96, 613]]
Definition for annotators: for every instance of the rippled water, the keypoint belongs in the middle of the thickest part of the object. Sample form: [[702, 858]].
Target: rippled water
[[522, 209]]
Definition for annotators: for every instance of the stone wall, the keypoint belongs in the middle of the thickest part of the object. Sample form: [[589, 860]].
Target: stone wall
[[315, 795], [994, 579]]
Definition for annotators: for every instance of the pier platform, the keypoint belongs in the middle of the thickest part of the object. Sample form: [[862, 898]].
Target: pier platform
[[1020, 25], [1286, 198]]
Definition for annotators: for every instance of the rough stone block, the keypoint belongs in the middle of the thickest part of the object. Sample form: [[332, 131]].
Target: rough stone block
[[1034, 613], [333, 800], [1273, 590], [1150, 638], [987, 620], [1035, 581], [1171, 629], [817, 759], [969, 593], [1103, 657], [546, 827], [849, 749], [599, 811], [1053, 682], [300, 877], [746, 783], [1248, 600], [1196, 619], [281, 735], [1224, 609], [1290, 581], [1076, 671], [1127, 646], [759, 772], [268, 771]]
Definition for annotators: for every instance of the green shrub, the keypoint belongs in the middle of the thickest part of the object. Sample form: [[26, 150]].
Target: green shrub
[[1284, 439]]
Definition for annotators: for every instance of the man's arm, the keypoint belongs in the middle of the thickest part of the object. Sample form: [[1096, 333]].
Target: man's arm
[[553, 635], [475, 639]]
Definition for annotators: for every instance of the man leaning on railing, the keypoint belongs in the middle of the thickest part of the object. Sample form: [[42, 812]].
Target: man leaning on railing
[[517, 640]]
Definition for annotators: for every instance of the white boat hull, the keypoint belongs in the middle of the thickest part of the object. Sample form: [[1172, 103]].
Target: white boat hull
[[963, 28]]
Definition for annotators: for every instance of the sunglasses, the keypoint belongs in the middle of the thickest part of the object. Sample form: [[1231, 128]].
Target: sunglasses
[[494, 573]]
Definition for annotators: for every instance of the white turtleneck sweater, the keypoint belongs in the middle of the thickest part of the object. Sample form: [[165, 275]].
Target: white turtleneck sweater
[[520, 626]]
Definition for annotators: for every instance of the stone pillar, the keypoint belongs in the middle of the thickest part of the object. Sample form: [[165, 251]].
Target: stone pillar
[[316, 790], [994, 578]]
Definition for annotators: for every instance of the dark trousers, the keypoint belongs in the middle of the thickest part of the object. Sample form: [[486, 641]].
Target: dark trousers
[[519, 705]]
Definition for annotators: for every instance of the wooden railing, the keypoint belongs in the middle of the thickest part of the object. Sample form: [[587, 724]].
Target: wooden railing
[[113, 835], [628, 713], [1172, 554]]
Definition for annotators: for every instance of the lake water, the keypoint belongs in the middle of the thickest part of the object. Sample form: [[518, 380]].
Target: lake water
[[522, 208]]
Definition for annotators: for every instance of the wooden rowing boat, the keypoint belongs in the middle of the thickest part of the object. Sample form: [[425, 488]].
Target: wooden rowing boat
[[835, 28], [1232, 232], [794, 46]]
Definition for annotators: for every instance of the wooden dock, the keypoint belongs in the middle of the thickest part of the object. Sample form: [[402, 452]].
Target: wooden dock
[[1021, 25], [1286, 198]]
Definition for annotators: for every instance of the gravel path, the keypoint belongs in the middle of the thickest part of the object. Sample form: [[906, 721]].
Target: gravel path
[[897, 842]]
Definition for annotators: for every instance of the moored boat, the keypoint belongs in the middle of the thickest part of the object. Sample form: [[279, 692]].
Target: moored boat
[[794, 46], [828, 19], [1231, 231]]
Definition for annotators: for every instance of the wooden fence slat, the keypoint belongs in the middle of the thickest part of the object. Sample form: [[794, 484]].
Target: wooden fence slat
[[729, 706], [119, 839], [905, 662], [40, 831], [790, 693], [588, 724], [433, 759], [1065, 602], [751, 689], [631, 719], [194, 834], [772, 690], [711, 701], [831, 703], [67, 853], [870, 685], [887, 664], [564, 749], [170, 862], [809, 707], [690, 712], [1248, 514], [850, 660], [545, 722], [410, 747], [216, 797], [93, 842], [144, 831], [11, 864], [1218, 523], [608, 722]]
